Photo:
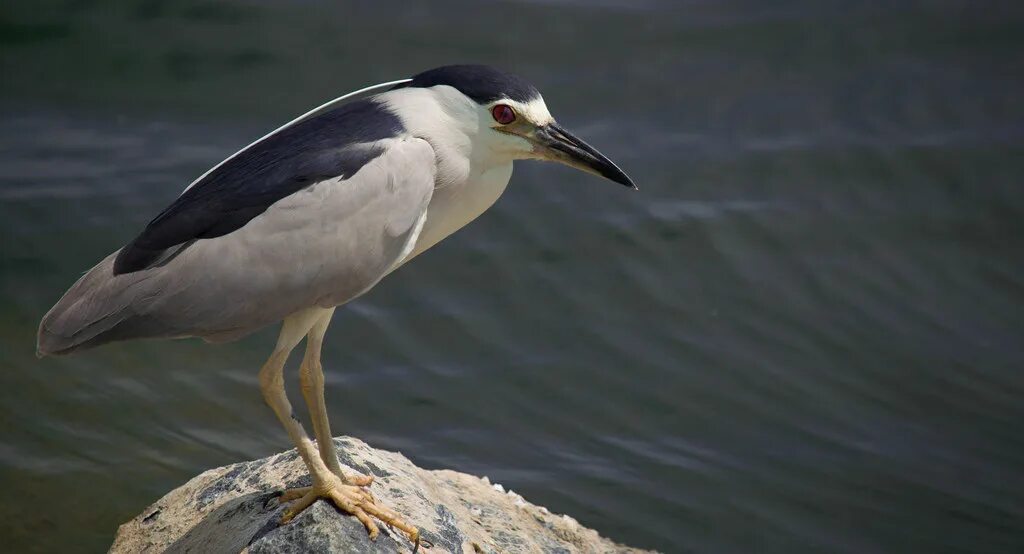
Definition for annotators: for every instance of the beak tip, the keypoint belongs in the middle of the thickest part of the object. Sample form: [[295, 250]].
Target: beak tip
[[577, 153], [624, 180]]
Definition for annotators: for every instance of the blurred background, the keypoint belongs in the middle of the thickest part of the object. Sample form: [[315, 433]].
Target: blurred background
[[803, 334]]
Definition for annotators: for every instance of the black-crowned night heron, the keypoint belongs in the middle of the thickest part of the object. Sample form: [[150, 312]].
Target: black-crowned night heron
[[310, 217]]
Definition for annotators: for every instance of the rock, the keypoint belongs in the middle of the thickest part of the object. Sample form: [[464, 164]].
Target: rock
[[235, 509]]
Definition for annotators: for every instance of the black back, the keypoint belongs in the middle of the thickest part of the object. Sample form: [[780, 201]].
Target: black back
[[326, 146], [482, 83]]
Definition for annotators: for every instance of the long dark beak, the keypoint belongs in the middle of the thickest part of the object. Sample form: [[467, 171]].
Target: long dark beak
[[563, 146]]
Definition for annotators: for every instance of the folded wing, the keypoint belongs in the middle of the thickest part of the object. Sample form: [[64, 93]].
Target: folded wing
[[335, 144], [246, 253]]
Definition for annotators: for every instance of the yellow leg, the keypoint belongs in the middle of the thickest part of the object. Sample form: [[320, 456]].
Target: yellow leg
[[311, 375], [326, 484]]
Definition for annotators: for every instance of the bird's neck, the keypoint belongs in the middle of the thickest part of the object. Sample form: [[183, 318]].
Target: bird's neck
[[449, 122], [470, 177]]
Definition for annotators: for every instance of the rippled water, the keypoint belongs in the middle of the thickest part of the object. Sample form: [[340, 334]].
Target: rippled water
[[804, 333]]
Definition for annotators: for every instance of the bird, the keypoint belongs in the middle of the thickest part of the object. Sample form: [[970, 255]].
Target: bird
[[310, 217]]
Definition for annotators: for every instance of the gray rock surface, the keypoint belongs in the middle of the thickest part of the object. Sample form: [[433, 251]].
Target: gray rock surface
[[235, 509]]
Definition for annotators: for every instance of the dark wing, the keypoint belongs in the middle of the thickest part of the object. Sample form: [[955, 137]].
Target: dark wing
[[333, 144]]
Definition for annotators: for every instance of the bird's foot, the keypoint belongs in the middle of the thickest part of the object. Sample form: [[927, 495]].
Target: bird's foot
[[350, 499]]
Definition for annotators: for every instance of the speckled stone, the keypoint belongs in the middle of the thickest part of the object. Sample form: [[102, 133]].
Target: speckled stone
[[236, 509]]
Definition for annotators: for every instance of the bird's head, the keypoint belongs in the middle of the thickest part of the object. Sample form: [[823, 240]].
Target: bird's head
[[510, 118]]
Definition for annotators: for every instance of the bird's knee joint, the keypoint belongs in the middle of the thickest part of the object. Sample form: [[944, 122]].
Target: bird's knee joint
[[266, 382]]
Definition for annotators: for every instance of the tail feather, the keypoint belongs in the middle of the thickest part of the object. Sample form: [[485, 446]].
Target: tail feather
[[87, 313]]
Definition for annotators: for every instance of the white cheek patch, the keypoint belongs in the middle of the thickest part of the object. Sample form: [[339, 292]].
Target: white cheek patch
[[535, 110]]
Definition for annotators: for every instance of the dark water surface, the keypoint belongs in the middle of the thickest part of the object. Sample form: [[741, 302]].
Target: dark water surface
[[804, 333]]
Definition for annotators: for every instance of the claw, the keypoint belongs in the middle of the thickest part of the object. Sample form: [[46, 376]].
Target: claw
[[301, 504]]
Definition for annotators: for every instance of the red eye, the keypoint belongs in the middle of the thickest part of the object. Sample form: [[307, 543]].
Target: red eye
[[503, 114]]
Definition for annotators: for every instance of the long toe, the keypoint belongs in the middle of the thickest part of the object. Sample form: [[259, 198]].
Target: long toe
[[292, 494], [357, 479]]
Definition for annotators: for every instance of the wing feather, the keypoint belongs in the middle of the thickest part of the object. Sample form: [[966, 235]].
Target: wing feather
[[333, 144], [323, 245]]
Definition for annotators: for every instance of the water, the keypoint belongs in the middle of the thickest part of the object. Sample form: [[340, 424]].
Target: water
[[802, 334]]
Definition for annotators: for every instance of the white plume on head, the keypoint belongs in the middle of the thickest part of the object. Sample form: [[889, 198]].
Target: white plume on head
[[321, 108]]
